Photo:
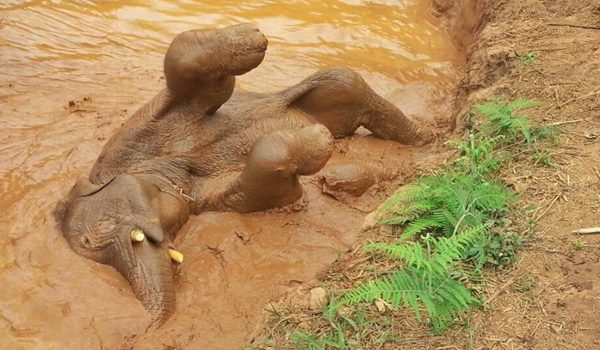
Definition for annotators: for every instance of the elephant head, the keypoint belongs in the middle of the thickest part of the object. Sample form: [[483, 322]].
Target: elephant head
[[116, 224]]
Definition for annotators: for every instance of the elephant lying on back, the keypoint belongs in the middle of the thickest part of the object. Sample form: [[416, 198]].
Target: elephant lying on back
[[198, 146]]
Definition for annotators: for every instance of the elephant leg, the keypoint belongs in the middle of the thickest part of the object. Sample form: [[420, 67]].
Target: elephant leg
[[202, 63], [199, 67], [341, 100], [271, 175]]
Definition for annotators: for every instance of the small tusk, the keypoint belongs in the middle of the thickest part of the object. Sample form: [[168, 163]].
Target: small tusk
[[176, 256], [137, 235]]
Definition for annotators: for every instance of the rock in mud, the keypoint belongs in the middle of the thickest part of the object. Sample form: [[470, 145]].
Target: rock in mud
[[370, 220], [380, 305], [318, 299]]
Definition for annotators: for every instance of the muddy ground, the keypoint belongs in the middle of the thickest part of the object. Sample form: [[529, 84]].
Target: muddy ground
[[238, 263], [550, 298]]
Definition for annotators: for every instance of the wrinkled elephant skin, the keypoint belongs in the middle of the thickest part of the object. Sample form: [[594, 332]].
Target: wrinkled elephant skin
[[198, 146]]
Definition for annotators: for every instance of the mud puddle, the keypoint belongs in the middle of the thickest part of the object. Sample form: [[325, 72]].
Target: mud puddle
[[71, 74]]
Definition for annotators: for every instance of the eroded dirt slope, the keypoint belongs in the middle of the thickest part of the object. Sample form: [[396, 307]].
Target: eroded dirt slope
[[561, 311]]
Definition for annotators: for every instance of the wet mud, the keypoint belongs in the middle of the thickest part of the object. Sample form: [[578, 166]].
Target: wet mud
[[71, 74]]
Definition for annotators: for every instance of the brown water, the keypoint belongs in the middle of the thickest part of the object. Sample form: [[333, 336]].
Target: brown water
[[107, 58]]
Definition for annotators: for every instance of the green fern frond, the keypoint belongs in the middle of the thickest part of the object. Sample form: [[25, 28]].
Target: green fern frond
[[442, 299], [423, 224], [501, 119], [522, 103], [412, 254], [405, 194], [403, 214], [453, 202], [426, 283]]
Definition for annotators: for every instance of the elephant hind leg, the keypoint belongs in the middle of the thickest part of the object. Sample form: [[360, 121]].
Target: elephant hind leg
[[203, 63], [270, 178], [341, 100]]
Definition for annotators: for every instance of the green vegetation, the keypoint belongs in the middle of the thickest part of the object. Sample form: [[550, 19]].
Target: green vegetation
[[526, 284], [499, 250], [578, 244], [452, 222], [425, 282], [529, 58], [360, 326], [446, 203], [452, 230]]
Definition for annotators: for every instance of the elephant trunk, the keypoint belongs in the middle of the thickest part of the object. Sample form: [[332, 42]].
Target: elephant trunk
[[148, 268]]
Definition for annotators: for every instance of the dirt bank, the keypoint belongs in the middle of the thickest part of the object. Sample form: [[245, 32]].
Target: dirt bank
[[536, 49], [560, 312]]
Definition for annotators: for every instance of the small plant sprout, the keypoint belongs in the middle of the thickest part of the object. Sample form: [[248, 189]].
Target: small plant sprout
[[526, 284], [578, 244], [544, 158], [529, 58]]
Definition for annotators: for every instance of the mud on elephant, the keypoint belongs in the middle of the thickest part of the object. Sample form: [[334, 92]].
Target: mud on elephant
[[199, 146]]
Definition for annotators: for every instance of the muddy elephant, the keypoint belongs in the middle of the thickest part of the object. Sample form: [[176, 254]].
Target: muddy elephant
[[199, 146]]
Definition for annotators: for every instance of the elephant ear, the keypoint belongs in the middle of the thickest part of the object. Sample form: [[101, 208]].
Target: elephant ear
[[84, 188]]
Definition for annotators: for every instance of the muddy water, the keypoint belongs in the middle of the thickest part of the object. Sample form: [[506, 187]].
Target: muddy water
[[106, 57]]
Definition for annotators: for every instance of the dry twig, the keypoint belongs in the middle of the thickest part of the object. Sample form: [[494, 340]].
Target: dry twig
[[549, 207], [573, 26], [587, 231], [566, 122], [502, 289]]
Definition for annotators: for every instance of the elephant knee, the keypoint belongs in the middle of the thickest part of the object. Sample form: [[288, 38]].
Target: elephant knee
[[312, 148], [344, 78], [292, 152], [270, 155]]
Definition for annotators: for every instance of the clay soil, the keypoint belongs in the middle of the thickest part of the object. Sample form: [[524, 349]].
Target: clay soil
[[550, 298]]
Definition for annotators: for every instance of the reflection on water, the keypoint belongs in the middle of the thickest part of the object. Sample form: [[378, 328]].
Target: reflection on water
[[53, 52]]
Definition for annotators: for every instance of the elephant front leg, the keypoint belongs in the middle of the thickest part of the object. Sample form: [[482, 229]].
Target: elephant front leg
[[271, 175]]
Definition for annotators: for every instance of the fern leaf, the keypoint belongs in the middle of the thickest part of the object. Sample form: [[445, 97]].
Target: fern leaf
[[522, 103], [408, 288], [421, 224]]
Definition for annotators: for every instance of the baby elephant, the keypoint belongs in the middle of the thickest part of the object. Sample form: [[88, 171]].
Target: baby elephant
[[198, 146]]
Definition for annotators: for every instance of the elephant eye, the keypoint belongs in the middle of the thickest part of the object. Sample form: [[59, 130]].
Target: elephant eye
[[106, 226]]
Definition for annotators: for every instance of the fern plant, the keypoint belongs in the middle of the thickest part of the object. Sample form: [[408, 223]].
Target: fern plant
[[447, 219], [478, 155], [502, 119], [425, 284], [444, 204]]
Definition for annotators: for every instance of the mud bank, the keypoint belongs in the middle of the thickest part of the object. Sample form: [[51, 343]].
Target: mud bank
[[68, 81]]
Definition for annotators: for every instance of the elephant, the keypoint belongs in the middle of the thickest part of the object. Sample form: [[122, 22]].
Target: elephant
[[198, 146]]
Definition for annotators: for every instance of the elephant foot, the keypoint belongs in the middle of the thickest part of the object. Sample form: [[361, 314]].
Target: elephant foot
[[352, 179], [199, 56], [270, 178]]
